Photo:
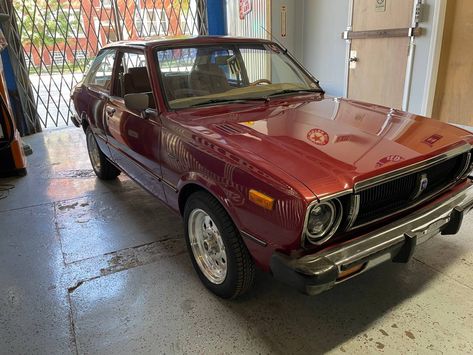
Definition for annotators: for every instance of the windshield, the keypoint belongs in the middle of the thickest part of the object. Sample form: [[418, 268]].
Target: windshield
[[209, 74]]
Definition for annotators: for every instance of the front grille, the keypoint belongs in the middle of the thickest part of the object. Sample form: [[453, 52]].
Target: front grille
[[397, 194]]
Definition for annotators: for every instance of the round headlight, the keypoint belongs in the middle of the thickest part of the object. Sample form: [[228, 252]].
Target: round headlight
[[322, 221]]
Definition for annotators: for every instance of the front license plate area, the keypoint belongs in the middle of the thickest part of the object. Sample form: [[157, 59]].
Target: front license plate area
[[432, 230]]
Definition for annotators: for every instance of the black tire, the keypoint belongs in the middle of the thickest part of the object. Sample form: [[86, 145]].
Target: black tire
[[104, 170], [240, 273]]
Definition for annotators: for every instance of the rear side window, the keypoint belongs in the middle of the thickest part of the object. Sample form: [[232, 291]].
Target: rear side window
[[100, 73]]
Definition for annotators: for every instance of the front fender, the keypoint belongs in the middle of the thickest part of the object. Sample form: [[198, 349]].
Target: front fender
[[263, 231], [200, 160]]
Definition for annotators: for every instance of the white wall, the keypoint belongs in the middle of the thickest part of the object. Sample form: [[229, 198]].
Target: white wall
[[295, 21], [323, 49], [421, 58], [314, 29]]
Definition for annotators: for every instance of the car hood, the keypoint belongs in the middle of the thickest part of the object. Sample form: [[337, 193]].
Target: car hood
[[329, 144]]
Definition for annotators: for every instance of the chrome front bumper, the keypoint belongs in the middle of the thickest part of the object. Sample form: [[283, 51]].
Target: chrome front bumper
[[315, 273]]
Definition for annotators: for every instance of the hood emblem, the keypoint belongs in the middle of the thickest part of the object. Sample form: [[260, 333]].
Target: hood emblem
[[422, 183], [318, 136], [434, 138]]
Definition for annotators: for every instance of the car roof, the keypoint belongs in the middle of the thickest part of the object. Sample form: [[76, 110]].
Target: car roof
[[166, 41]]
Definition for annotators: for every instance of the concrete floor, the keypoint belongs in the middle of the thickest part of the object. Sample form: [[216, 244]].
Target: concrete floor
[[100, 267]]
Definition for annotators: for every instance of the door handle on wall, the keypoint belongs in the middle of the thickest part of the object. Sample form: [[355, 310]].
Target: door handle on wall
[[353, 59]]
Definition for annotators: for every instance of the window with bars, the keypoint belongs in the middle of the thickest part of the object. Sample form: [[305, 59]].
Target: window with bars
[[27, 62], [186, 26], [152, 22], [107, 3], [58, 58], [80, 55], [76, 24]]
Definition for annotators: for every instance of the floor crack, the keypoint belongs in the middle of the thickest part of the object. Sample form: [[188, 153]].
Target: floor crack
[[76, 286], [72, 326]]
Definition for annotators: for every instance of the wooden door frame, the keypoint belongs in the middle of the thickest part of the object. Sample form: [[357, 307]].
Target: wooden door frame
[[435, 47]]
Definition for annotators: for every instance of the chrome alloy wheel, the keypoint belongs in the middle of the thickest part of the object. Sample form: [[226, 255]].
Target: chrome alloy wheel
[[207, 246], [94, 152]]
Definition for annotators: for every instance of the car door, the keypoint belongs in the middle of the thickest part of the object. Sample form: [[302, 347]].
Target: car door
[[98, 83], [134, 137]]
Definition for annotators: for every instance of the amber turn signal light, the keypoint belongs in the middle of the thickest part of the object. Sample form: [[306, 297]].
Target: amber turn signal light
[[261, 199], [351, 271]]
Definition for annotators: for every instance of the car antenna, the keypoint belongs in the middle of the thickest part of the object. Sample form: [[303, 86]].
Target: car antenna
[[274, 39], [286, 51]]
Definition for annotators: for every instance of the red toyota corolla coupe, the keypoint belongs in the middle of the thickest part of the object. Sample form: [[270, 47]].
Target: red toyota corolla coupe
[[266, 170]]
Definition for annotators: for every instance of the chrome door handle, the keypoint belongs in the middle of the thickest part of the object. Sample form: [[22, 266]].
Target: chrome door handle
[[353, 59], [110, 111]]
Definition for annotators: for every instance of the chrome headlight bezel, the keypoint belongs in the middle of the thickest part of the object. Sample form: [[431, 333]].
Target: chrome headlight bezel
[[336, 218], [468, 166]]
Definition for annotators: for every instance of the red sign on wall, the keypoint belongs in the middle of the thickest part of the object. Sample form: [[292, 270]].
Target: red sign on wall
[[245, 8]]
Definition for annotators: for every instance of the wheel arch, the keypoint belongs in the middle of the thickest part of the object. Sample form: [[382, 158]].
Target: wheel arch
[[261, 254], [189, 187], [185, 192]]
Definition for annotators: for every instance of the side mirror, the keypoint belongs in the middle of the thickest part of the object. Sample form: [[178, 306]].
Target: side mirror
[[148, 113], [137, 102]]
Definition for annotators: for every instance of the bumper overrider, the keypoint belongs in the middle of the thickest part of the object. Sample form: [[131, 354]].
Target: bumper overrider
[[75, 120], [315, 273]]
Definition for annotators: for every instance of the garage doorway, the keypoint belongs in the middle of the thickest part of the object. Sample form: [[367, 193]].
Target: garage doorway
[[379, 51], [59, 38]]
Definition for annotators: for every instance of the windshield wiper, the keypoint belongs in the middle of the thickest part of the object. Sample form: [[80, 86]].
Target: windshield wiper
[[250, 99], [294, 91], [230, 101]]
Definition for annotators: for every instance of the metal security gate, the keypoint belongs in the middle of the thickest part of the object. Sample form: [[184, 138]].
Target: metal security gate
[[59, 38]]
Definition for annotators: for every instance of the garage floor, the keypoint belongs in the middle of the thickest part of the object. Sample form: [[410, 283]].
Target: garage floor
[[100, 267]]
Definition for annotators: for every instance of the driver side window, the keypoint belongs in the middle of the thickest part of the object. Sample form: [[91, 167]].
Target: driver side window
[[132, 76]]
